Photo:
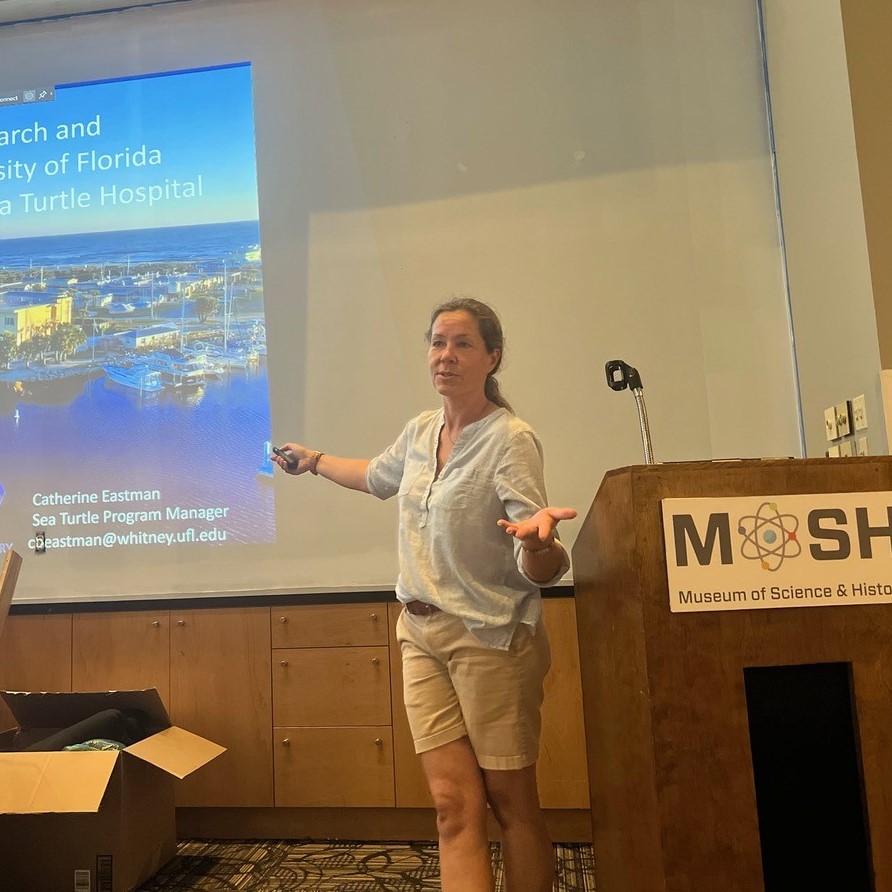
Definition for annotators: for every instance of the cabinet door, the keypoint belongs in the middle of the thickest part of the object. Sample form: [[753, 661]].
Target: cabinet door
[[35, 655], [334, 767], [562, 769], [220, 689], [314, 686], [121, 651]]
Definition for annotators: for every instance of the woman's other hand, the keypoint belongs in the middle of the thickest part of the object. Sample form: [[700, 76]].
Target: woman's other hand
[[536, 533]]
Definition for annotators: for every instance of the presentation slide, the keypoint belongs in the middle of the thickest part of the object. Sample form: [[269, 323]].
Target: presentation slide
[[134, 403]]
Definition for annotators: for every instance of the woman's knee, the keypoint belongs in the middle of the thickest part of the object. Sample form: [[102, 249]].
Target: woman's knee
[[514, 796], [459, 807]]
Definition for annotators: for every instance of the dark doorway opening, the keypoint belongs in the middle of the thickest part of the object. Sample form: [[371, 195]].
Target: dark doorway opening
[[807, 770]]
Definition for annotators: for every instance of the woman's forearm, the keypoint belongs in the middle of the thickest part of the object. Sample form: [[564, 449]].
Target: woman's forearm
[[296, 459], [347, 472], [542, 563]]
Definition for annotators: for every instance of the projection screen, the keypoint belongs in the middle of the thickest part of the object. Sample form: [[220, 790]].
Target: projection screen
[[223, 226]]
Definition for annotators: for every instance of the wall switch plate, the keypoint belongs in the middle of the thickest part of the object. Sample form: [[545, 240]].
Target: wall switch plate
[[861, 446], [830, 423], [859, 413], [843, 419], [845, 449]]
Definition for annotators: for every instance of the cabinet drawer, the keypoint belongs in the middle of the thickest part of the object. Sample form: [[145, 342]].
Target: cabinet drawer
[[329, 625], [334, 767], [331, 686]]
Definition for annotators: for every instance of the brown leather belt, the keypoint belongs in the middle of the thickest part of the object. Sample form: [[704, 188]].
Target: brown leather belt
[[421, 608]]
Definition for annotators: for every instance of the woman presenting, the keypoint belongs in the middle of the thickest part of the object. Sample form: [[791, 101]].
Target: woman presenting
[[476, 542]]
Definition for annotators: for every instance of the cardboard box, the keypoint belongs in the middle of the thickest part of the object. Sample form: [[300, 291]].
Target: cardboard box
[[9, 574], [90, 821]]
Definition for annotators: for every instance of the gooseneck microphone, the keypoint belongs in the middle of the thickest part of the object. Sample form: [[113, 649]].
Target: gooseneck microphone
[[619, 377]]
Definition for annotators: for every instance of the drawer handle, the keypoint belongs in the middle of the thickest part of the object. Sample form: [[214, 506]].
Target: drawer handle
[[373, 617], [375, 661], [283, 619], [283, 663], [181, 622], [379, 741], [155, 623], [286, 742]]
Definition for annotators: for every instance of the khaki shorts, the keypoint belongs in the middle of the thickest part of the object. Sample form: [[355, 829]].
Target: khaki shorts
[[454, 685]]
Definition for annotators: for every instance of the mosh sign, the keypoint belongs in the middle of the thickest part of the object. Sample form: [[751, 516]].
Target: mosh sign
[[758, 552]]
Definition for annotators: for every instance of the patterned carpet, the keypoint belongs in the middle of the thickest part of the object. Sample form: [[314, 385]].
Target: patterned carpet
[[284, 865]]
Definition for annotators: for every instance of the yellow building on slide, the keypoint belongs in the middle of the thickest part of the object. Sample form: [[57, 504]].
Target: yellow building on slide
[[26, 316]]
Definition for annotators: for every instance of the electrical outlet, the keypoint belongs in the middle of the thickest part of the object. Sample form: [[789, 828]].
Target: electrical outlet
[[861, 446], [843, 419], [830, 423], [833, 452], [859, 413], [845, 449]]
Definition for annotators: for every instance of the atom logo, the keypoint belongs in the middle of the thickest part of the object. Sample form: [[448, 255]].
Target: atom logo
[[769, 536]]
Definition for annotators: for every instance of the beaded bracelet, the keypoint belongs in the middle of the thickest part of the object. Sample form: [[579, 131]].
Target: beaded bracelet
[[314, 463], [543, 548]]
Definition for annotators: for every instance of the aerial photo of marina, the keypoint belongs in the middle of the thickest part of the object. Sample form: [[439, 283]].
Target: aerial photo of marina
[[164, 316]]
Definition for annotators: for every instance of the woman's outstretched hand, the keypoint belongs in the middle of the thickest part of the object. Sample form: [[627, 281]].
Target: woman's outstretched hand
[[301, 456], [536, 533], [347, 472]]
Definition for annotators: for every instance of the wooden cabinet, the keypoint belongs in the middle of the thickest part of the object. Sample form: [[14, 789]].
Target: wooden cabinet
[[562, 771], [121, 651], [308, 699], [220, 689], [331, 706], [35, 655]]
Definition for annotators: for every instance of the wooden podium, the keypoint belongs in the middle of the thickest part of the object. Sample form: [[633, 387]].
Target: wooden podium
[[673, 788]]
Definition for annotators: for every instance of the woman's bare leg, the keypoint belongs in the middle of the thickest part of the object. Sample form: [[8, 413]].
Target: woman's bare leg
[[456, 784], [527, 850]]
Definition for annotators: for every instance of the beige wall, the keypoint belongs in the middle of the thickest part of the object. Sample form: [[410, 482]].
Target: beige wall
[[826, 238], [867, 25]]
